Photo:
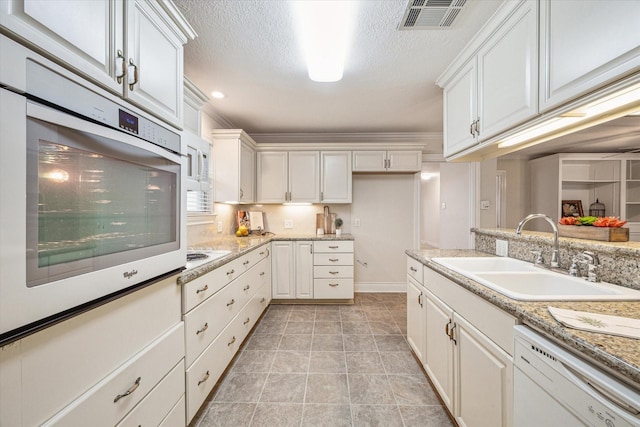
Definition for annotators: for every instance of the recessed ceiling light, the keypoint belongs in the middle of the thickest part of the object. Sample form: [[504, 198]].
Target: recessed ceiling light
[[217, 94]]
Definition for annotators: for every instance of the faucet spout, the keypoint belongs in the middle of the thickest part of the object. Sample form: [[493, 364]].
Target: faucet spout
[[555, 256]]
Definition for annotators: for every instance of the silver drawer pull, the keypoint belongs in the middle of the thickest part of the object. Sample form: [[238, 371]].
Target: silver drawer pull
[[246, 262], [204, 328], [203, 289], [333, 285], [230, 303], [133, 388], [246, 288], [263, 300], [334, 259], [246, 321], [413, 269], [334, 272], [230, 272], [262, 273], [233, 340], [334, 247], [262, 253], [206, 377]]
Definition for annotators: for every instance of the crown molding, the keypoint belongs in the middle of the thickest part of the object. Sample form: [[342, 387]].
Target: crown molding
[[217, 117]]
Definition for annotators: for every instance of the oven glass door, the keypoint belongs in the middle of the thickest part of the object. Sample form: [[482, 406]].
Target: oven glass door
[[95, 200]]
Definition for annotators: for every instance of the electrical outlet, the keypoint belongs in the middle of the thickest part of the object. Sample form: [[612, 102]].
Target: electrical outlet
[[485, 204], [443, 206], [502, 247], [288, 223], [356, 222], [219, 226]]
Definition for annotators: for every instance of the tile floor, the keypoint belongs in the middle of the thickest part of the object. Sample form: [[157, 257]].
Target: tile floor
[[327, 365]]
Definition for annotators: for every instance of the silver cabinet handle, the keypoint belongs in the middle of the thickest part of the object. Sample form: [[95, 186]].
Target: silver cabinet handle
[[334, 247], [333, 285], [263, 300], [133, 77], [121, 68], [204, 328], [229, 273], [246, 262], [413, 269], [261, 253], [246, 288], [471, 128], [268, 252], [206, 377], [334, 259], [230, 303], [203, 289], [262, 273], [334, 272], [241, 193], [246, 321], [233, 340], [133, 388]]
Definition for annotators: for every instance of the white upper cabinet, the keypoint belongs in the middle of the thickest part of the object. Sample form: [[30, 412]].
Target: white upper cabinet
[[335, 177], [292, 176], [496, 88], [585, 45], [234, 166], [387, 161], [198, 156], [131, 47]]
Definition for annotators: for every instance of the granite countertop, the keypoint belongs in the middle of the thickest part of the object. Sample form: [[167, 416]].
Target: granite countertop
[[241, 245], [619, 354]]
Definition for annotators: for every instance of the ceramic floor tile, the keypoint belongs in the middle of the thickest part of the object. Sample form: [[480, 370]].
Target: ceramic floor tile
[[379, 316], [276, 315], [327, 388], [302, 316], [425, 416], [298, 328], [391, 343], [254, 361], [284, 388], [376, 415], [263, 342], [327, 328], [401, 362], [291, 362], [328, 316], [295, 343], [223, 414], [357, 316], [359, 362], [241, 387], [328, 362], [384, 328], [277, 415], [355, 328], [370, 388], [327, 308], [326, 415], [270, 327], [412, 390], [359, 343], [327, 343]]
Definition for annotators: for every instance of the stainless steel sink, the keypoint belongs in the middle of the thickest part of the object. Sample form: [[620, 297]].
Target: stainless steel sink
[[523, 281]]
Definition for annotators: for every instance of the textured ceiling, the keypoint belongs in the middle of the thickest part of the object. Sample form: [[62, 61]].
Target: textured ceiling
[[248, 50]]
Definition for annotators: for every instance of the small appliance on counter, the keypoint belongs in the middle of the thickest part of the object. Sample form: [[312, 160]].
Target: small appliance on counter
[[326, 222]]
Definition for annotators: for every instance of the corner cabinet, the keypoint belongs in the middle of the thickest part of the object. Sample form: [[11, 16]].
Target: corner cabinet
[[467, 347], [496, 88], [133, 48], [234, 166], [585, 46], [387, 161]]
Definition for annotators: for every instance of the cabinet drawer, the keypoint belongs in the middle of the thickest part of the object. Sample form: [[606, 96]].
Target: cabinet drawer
[[333, 288], [176, 417], [486, 317], [333, 259], [198, 290], [252, 258], [160, 402], [108, 402], [333, 246], [108, 337], [414, 269], [204, 323], [328, 272], [203, 374]]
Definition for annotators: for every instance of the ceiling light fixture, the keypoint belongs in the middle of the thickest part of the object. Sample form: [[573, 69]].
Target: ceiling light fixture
[[217, 94], [325, 30]]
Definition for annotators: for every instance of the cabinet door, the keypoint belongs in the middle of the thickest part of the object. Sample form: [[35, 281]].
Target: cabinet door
[[404, 161], [304, 269], [484, 379], [282, 270], [438, 359], [585, 46], [198, 151], [84, 35], [369, 161], [416, 318], [154, 60], [508, 73], [460, 110], [247, 174], [304, 176], [335, 176], [272, 176]]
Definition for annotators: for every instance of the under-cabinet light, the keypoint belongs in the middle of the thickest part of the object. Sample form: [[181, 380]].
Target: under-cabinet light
[[325, 30]]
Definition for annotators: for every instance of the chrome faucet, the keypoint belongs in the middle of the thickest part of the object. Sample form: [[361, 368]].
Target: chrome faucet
[[555, 256], [593, 266]]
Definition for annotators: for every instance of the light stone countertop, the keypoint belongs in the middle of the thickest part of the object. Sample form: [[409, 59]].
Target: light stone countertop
[[241, 245], [617, 354]]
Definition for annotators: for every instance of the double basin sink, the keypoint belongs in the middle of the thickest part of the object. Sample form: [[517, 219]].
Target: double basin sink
[[524, 281]]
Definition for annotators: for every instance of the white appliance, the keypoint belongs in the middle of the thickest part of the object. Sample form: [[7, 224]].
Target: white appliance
[[91, 200], [553, 387]]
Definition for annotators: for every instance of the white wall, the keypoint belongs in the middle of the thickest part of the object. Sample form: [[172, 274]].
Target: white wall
[[385, 206], [430, 205], [487, 217], [457, 189], [518, 190]]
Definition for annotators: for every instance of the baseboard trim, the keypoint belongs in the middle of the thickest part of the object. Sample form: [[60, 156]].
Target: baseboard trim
[[381, 287]]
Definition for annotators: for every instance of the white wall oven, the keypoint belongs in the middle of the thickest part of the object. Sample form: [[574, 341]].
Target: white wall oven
[[90, 196]]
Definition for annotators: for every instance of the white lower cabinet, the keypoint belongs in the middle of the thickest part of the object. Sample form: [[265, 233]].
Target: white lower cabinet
[[333, 269], [72, 373], [216, 327], [468, 352], [292, 269], [416, 321]]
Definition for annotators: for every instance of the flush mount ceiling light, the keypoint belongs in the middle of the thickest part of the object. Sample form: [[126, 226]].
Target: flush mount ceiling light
[[325, 30], [217, 94]]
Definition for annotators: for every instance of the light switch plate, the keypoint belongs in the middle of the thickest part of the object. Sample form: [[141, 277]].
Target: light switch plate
[[485, 204], [502, 247], [288, 223]]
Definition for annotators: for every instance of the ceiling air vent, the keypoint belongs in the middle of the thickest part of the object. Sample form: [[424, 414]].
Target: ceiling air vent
[[430, 14]]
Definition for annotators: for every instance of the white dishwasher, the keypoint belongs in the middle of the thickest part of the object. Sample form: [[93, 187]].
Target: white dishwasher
[[553, 387]]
